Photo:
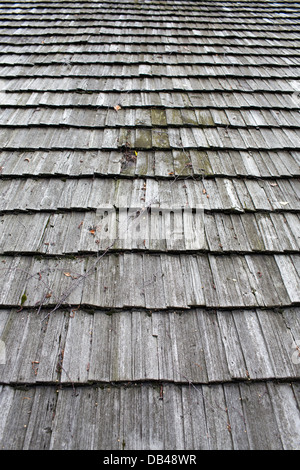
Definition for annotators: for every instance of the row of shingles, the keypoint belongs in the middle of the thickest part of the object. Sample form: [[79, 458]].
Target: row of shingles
[[206, 10], [61, 137], [271, 41], [249, 416], [252, 97], [195, 346], [144, 11], [61, 25], [157, 36], [148, 10], [170, 23], [98, 118], [207, 83], [134, 228], [179, 4], [171, 57], [223, 6], [149, 164], [148, 16], [230, 44], [212, 194], [152, 281], [202, 49], [245, 100], [91, 33], [143, 15], [178, 26], [147, 70], [86, 232]]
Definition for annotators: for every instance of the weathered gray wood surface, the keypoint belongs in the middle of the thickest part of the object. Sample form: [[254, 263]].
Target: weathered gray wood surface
[[149, 225]]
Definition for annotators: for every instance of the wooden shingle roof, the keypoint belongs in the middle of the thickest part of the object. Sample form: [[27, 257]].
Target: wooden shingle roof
[[149, 214]]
